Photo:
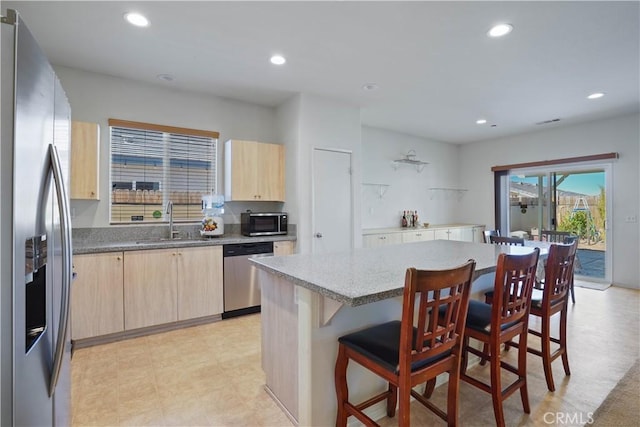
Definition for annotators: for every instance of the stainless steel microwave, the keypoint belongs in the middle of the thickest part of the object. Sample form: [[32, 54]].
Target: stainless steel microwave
[[263, 223]]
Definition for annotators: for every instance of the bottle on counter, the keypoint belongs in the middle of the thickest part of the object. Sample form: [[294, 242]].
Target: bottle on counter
[[415, 219], [404, 218], [412, 219]]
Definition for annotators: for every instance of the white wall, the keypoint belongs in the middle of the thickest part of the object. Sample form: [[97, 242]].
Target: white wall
[[407, 188], [288, 128], [325, 123], [96, 98], [620, 134]]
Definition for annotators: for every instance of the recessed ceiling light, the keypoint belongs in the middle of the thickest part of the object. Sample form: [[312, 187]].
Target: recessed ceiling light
[[500, 30], [595, 95], [278, 59], [165, 77], [136, 19], [369, 86], [481, 121]]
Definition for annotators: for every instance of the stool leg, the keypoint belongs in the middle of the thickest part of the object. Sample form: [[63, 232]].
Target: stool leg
[[392, 400], [342, 391], [563, 340], [522, 369], [546, 352], [496, 386], [429, 387], [573, 296]]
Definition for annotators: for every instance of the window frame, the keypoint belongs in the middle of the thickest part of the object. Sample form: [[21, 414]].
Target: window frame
[[165, 131]]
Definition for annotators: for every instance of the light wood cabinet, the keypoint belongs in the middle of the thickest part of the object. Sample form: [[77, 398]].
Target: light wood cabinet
[[85, 161], [167, 285], [283, 248], [199, 282], [254, 171], [96, 295], [150, 288]]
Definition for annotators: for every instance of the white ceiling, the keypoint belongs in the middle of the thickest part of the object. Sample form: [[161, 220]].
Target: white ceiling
[[436, 69]]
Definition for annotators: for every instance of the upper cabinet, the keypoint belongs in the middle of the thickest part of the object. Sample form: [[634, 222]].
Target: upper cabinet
[[85, 160], [254, 171]]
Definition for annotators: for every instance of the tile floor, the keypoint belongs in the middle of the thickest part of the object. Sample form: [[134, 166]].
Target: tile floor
[[210, 375]]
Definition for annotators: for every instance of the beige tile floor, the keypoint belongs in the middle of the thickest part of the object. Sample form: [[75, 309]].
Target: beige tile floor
[[210, 375]]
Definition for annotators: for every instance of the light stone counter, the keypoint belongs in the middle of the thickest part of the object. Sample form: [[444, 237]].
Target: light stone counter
[[368, 231], [367, 275]]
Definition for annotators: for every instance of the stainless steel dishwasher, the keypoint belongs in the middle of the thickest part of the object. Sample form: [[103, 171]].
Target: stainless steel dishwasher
[[241, 289]]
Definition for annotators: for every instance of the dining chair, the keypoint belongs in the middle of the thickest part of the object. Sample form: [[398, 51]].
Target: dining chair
[[405, 355], [551, 300], [512, 241], [488, 233], [500, 322]]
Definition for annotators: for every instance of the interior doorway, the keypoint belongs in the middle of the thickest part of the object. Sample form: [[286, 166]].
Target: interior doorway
[[332, 201], [564, 198]]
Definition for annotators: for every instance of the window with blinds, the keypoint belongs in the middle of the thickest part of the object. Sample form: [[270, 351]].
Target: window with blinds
[[154, 164]]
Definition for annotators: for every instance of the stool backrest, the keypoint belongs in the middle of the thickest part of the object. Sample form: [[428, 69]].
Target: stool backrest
[[515, 276], [486, 234], [558, 274], [434, 289], [513, 241]]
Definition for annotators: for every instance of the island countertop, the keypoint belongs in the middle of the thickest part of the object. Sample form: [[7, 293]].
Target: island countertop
[[365, 275]]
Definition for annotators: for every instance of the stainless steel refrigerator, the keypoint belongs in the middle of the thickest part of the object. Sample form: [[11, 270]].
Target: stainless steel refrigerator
[[35, 234]]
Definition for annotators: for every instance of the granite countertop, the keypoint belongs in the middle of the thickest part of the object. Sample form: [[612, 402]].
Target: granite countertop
[[367, 231], [366, 275], [116, 239]]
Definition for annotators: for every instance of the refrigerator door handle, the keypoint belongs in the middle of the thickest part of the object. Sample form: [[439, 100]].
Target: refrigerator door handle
[[65, 225]]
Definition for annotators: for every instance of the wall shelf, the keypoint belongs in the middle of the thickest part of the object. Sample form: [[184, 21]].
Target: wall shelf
[[409, 159], [382, 188]]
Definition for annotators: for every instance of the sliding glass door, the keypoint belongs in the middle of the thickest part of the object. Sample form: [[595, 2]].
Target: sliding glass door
[[571, 198]]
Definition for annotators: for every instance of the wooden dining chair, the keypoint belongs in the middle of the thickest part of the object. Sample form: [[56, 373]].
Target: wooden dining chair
[[486, 235], [500, 240], [406, 355], [500, 322], [551, 300]]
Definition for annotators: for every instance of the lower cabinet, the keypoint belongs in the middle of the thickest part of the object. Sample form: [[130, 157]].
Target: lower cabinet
[[375, 240], [418, 236], [150, 288], [166, 285], [120, 291], [199, 282], [96, 295], [283, 248]]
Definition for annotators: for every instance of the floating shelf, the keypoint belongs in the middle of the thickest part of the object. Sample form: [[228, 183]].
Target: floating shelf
[[410, 159], [382, 188], [446, 190]]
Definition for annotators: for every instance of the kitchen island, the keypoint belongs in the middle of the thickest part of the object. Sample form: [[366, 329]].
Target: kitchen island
[[309, 300]]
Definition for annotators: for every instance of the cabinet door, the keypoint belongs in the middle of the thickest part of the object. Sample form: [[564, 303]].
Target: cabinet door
[[96, 295], [441, 234], [283, 248], [150, 291], [241, 170], [85, 161], [456, 233], [478, 232], [417, 236], [375, 240], [270, 182], [466, 234], [199, 282]]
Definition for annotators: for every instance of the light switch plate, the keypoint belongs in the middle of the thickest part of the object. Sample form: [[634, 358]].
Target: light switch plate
[[631, 218]]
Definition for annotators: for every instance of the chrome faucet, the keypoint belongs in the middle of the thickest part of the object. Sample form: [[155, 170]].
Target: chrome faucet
[[172, 232]]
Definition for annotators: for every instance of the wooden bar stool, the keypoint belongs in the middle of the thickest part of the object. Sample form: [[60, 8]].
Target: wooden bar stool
[[502, 240], [406, 355], [551, 300], [500, 322]]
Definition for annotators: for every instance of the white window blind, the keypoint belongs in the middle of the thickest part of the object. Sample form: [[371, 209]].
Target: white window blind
[[153, 164]]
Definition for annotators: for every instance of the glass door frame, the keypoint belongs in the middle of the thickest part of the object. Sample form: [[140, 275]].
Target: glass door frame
[[548, 170]]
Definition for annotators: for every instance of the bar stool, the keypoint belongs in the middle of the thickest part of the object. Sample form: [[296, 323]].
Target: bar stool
[[500, 322], [551, 300], [406, 355]]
